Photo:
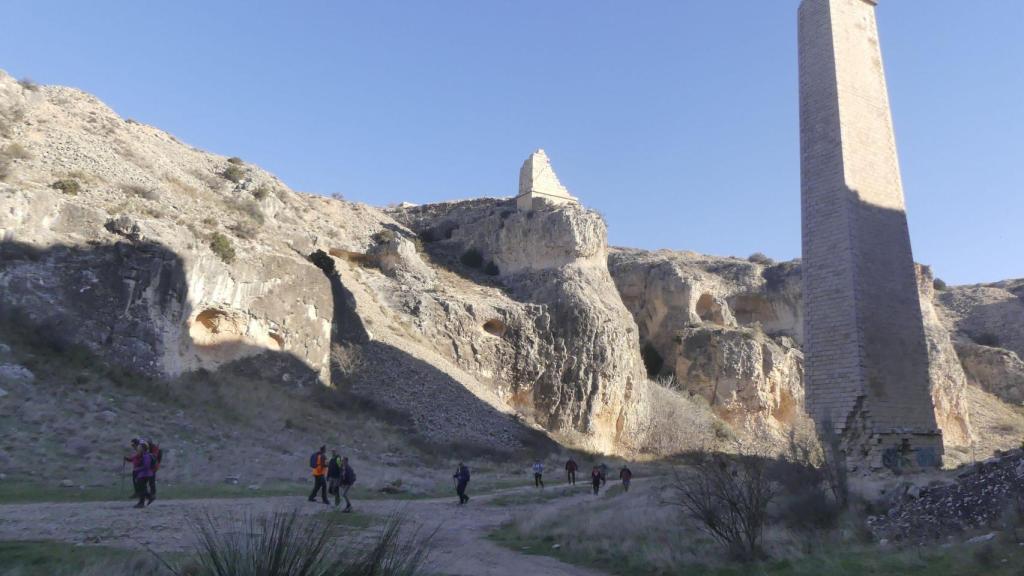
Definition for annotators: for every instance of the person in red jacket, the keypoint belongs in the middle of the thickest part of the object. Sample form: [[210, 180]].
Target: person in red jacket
[[570, 470], [319, 464]]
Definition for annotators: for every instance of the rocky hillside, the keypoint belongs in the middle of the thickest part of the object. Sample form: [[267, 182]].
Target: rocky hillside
[[730, 330], [478, 323]]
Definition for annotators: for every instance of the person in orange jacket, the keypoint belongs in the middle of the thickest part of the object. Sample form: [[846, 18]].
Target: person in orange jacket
[[318, 462]]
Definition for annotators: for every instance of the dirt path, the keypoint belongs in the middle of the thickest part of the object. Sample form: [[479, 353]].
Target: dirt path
[[459, 546]]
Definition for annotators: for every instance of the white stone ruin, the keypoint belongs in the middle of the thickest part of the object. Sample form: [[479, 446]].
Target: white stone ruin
[[538, 183]]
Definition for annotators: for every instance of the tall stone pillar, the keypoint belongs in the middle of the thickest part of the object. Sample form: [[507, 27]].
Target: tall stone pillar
[[865, 350]]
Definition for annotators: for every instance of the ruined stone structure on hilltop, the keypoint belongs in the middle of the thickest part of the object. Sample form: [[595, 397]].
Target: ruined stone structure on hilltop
[[867, 363], [539, 183]]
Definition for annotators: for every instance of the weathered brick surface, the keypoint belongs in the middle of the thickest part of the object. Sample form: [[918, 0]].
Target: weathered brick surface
[[866, 356]]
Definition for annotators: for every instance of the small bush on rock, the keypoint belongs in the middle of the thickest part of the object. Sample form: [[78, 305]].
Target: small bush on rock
[[384, 236], [69, 186], [141, 191], [16, 151], [233, 173], [472, 258], [222, 247], [261, 192], [29, 85], [986, 339], [8, 155], [492, 269], [760, 258], [236, 161], [939, 284]]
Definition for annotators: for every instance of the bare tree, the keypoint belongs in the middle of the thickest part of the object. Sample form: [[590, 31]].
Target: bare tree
[[729, 497]]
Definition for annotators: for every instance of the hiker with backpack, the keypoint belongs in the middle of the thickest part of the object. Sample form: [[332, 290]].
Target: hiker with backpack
[[318, 462], [626, 475], [348, 478], [595, 479], [570, 471], [461, 477], [538, 474], [132, 458], [334, 477], [158, 456], [142, 471]]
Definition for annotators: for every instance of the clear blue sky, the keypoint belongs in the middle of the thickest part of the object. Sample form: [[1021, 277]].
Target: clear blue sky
[[676, 119]]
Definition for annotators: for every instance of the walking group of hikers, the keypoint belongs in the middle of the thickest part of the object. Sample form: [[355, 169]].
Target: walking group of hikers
[[145, 458], [598, 475], [331, 476], [335, 475]]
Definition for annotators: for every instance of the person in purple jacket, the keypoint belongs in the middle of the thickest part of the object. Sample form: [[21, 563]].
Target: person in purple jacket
[[142, 471]]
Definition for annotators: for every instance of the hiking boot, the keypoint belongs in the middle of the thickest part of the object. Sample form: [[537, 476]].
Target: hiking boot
[[349, 509], [139, 505]]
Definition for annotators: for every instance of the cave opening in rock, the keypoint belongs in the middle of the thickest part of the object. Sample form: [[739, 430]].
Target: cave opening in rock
[[495, 327], [276, 339], [214, 322], [710, 310], [653, 361]]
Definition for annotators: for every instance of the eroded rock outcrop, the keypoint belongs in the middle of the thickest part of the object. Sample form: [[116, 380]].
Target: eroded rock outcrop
[[731, 329], [573, 362], [995, 370]]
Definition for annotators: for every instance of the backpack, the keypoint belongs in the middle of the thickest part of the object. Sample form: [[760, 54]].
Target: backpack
[[314, 460], [158, 456], [465, 473], [351, 476]]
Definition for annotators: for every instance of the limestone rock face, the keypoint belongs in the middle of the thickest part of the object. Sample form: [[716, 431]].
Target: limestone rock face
[[574, 363], [948, 383], [752, 380], [995, 370], [723, 328], [989, 314], [730, 330]]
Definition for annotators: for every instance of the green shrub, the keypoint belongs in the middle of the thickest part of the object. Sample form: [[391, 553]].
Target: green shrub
[[760, 258], [222, 247], [472, 258], [69, 186], [236, 161], [28, 84], [384, 236], [300, 545], [261, 192], [939, 284], [492, 269], [233, 173]]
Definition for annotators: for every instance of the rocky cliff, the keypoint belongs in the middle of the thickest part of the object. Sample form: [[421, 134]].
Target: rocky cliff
[[477, 323], [730, 330]]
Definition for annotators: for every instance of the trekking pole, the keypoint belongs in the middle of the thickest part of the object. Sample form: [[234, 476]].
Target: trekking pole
[[123, 464]]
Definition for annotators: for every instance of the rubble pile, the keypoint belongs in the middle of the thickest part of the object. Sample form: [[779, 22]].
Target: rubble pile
[[981, 496]]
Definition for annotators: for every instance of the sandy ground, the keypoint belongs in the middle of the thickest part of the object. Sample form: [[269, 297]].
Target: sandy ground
[[459, 545]]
